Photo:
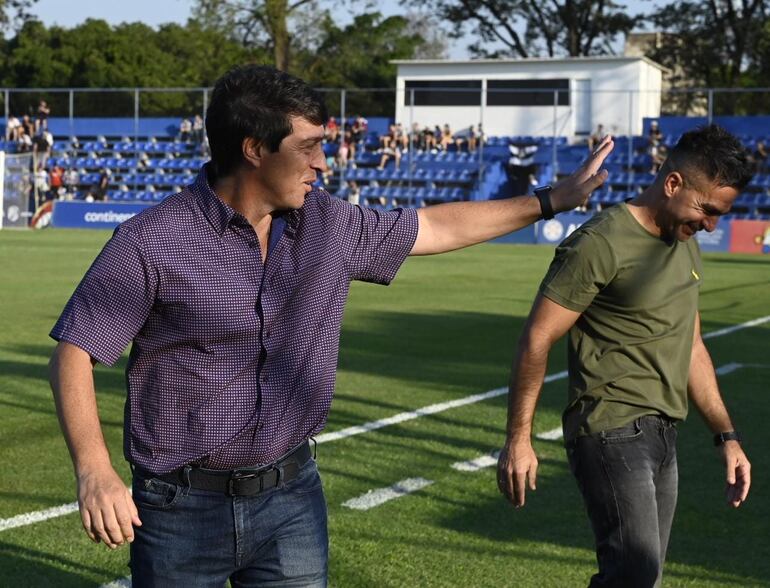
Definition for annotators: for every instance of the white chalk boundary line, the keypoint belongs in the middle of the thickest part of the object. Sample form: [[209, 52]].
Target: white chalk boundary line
[[39, 516], [382, 495], [474, 465]]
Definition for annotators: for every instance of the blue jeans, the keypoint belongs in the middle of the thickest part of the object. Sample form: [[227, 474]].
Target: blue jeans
[[196, 538], [628, 478]]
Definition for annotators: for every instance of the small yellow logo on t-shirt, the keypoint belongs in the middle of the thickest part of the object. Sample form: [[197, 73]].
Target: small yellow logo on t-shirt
[[695, 274]]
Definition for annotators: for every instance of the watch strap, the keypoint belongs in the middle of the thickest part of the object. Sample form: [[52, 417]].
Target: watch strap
[[720, 438], [543, 194]]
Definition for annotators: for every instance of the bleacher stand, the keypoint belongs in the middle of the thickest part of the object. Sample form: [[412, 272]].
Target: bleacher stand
[[150, 162]]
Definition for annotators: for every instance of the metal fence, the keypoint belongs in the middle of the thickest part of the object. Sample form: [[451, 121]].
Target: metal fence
[[549, 118]]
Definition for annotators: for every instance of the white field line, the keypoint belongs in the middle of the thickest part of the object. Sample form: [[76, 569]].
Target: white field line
[[728, 368], [121, 583], [474, 465], [728, 330], [420, 412], [39, 516], [552, 435], [381, 495]]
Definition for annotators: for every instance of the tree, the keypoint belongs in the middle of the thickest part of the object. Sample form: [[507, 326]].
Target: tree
[[712, 44], [14, 13], [530, 28], [97, 55], [255, 23], [358, 55]]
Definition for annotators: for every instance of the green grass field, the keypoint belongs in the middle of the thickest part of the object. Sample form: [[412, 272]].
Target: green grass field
[[444, 330]]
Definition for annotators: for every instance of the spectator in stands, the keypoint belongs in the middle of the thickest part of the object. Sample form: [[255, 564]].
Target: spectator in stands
[[71, 181], [431, 144], [332, 130], [392, 151], [197, 130], [42, 185], [43, 112], [401, 137], [233, 293], [12, 129], [345, 152], [354, 193], [659, 155], [760, 158], [25, 144], [102, 184], [28, 125], [185, 130], [388, 138], [41, 146], [596, 137], [446, 138], [359, 129], [56, 180], [473, 139]]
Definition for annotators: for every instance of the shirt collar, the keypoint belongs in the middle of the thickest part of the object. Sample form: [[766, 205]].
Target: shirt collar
[[214, 209], [220, 215]]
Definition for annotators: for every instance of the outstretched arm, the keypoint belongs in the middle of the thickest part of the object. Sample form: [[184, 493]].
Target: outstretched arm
[[454, 225], [106, 507], [517, 464], [704, 393]]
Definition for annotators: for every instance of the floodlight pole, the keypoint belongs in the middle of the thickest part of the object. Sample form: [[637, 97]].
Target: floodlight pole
[[711, 105], [411, 141], [136, 136], [554, 156], [630, 138], [72, 116]]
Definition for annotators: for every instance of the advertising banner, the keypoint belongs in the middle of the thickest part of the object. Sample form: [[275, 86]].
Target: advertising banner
[[718, 239], [750, 236], [554, 231], [93, 215]]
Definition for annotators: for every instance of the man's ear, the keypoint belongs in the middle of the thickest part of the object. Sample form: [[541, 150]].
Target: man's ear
[[673, 183], [252, 151]]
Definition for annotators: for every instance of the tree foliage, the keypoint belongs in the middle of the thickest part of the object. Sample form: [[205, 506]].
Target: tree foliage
[[530, 28], [713, 44], [265, 24]]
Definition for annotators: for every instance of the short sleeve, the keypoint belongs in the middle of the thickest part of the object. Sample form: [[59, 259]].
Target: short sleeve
[[112, 302], [376, 242], [582, 266]]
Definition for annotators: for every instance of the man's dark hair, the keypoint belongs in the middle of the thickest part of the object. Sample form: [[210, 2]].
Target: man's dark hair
[[256, 101], [713, 153]]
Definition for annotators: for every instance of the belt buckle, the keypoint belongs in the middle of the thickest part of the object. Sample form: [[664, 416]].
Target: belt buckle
[[239, 475]]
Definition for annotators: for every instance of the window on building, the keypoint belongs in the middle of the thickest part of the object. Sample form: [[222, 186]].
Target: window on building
[[444, 93], [526, 92]]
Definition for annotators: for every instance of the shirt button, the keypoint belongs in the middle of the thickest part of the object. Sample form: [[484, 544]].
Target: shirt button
[[265, 379], [267, 335]]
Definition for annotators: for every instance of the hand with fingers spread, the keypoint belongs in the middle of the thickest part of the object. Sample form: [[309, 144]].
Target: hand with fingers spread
[[517, 469], [738, 473], [574, 190], [107, 510]]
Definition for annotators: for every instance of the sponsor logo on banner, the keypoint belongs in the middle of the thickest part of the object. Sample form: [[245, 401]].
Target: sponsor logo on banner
[[94, 215], [717, 240], [554, 230]]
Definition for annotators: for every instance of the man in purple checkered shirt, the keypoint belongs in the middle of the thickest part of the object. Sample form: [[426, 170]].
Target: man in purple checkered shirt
[[232, 294]]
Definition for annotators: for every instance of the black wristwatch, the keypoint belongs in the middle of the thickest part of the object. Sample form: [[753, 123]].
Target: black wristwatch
[[543, 194], [720, 438]]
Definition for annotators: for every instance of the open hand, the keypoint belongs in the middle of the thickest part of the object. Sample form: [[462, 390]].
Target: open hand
[[574, 190]]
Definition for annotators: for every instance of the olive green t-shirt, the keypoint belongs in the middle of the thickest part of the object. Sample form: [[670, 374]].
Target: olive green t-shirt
[[629, 352]]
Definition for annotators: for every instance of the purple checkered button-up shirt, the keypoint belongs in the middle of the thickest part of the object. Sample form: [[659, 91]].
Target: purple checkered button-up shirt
[[233, 362]]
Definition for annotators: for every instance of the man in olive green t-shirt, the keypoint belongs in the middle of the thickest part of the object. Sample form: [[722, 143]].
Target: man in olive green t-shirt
[[625, 286]]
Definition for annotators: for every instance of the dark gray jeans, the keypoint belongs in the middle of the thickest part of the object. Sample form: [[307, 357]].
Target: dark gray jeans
[[628, 478]]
